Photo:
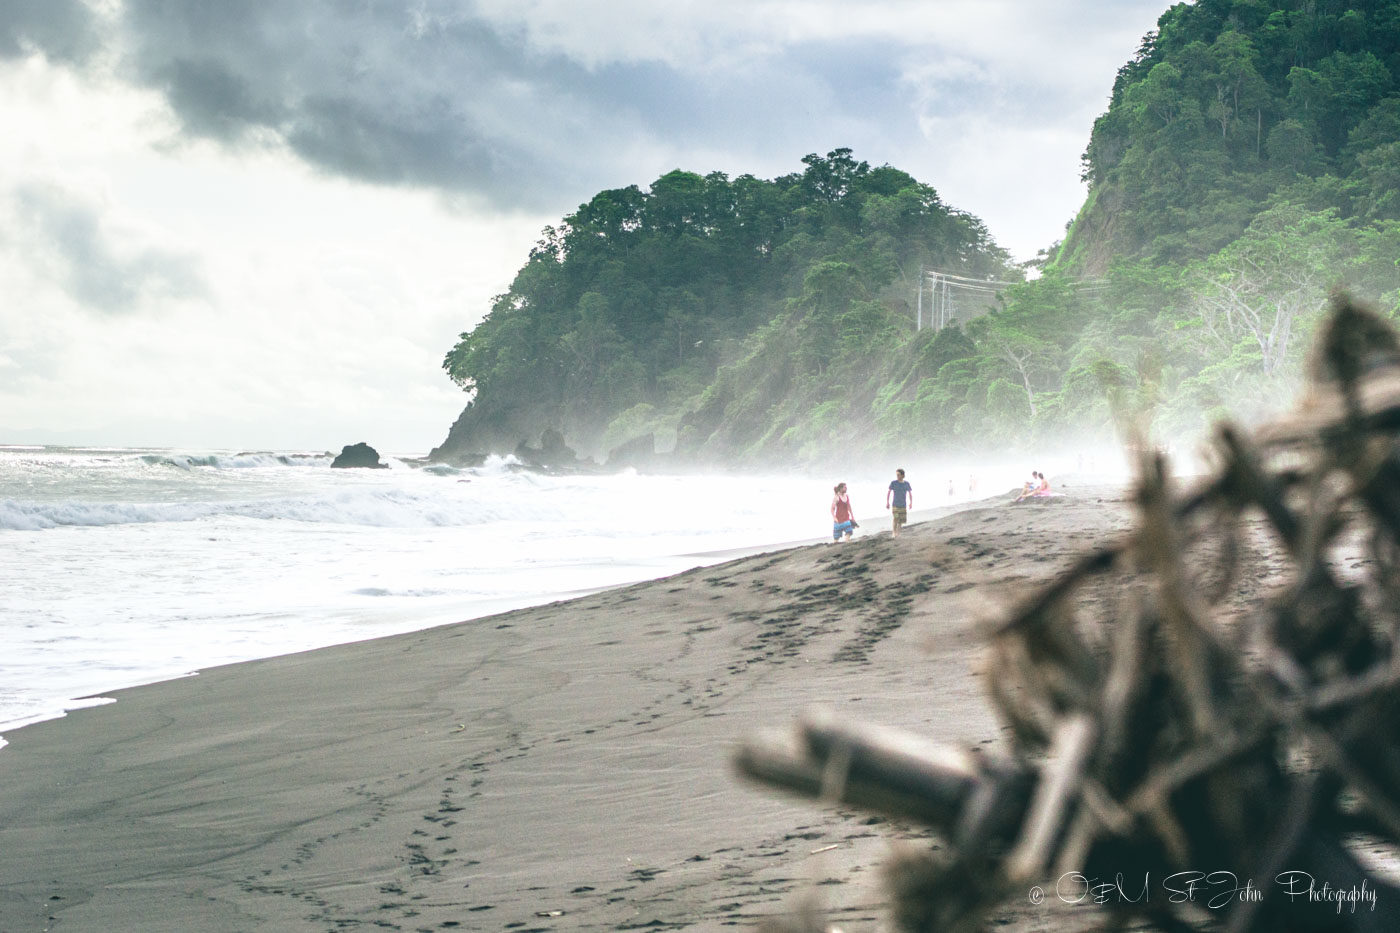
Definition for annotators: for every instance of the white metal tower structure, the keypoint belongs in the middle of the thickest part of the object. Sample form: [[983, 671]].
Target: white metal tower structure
[[955, 297]]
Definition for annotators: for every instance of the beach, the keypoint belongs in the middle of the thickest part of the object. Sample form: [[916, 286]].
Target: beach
[[129, 566], [563, 767]]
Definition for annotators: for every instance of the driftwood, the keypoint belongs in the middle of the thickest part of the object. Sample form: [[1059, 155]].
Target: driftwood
[[1198, 752]]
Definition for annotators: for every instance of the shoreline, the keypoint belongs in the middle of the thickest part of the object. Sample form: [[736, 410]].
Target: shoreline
[[99, 693], [563, 766]]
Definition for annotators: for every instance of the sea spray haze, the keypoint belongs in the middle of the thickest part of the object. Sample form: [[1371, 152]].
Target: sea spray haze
[[122, 567]]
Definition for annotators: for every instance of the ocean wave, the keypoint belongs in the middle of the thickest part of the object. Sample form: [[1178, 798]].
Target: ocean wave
[[496, 463], [385, 591], [40, 516], [241, 461], [379, 507], [532, 505]]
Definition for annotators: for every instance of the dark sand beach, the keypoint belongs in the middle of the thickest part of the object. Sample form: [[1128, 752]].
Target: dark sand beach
[[565, 767]]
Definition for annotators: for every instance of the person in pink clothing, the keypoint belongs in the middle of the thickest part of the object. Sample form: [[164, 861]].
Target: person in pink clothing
[[1036, 487], [843, 521]]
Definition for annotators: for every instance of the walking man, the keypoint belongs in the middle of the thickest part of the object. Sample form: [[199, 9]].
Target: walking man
[[899, 499]]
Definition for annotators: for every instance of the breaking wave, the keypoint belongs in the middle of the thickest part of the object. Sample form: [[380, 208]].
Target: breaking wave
[[378, 507], [243, 461]]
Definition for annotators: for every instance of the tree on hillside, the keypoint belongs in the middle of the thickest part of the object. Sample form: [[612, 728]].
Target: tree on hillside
[[741, 308], [1227, 103], [1023, 353], [1262, 286]]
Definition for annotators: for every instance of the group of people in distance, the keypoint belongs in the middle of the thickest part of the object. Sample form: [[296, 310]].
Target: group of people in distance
[[899, 499]]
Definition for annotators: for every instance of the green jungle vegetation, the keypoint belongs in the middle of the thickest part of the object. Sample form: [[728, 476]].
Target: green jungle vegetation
[[1248, 163]]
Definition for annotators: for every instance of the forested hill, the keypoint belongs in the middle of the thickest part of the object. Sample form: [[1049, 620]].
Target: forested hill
[[1229, 103], [1248, 164], [737, 319]]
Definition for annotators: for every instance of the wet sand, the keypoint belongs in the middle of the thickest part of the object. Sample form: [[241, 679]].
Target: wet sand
[[564, 767]]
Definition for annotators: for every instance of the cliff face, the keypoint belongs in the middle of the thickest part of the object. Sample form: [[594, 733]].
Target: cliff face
[[1090, 244], [459, 445], [478, 432]]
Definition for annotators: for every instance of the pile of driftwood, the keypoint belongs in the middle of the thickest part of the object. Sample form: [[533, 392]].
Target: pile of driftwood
[[1194, 748]]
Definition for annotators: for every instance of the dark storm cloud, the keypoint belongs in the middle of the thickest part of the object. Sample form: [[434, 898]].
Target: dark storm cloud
[[361, 89], [382, 92], [432, 93], [427, 143], [62, 29], [214, 101], [65, 237]]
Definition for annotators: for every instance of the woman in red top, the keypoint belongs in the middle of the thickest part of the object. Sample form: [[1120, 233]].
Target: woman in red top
[[842, 518]]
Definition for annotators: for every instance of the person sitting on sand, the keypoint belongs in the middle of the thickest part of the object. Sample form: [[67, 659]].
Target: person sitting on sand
[[842, 518], [1037, 487], [1043, 488], [902, 495], [1029, 486]]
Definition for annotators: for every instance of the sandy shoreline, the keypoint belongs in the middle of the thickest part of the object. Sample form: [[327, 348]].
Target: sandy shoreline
[[563, 767]]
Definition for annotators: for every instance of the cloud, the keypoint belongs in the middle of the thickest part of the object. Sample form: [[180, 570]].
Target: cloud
[[365, 91], [537, 104], [290, 210], [212, 100], [65, 237], [395, 95], [221, 295], [63, 30]]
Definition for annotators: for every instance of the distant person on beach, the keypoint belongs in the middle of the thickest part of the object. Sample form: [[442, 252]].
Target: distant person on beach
[[898, 499], [843, 521]]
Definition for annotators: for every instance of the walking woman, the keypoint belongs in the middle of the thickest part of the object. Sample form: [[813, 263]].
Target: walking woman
[[842, 518]]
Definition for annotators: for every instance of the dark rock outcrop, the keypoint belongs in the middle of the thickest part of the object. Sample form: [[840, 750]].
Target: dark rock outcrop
[[486, 429], [360, 456], [553, 455]]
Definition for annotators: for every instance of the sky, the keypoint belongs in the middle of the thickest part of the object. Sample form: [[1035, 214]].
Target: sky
[[261, 224]]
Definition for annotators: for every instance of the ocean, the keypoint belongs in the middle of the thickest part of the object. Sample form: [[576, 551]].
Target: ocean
[[121, 567]]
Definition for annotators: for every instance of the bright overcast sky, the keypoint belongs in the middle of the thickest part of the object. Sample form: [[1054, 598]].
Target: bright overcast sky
[[261, 224]]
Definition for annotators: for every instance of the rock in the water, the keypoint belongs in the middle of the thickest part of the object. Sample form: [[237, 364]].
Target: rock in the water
[[553, 448], [359, 455], [552, 455]]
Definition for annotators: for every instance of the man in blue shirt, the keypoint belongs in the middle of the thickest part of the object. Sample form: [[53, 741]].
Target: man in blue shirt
[[901, 494]]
